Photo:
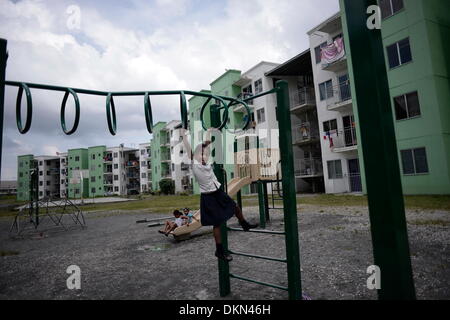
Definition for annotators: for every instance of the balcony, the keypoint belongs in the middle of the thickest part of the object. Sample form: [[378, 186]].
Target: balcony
[[333, 56], [108, 182], [302, 99], [308, 168], [344, 141], [304, 133], [166, 174], [108, 158], [132, 164], [165, 157], [342, 98]]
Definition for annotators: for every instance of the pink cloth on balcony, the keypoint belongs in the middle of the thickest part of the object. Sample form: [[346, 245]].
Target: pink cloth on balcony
[[333, 51]]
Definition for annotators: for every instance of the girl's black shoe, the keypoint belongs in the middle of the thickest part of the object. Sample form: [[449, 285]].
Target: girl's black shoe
[[247, 226]]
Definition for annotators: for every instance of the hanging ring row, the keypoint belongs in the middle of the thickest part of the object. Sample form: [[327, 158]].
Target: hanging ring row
[[220, 102]]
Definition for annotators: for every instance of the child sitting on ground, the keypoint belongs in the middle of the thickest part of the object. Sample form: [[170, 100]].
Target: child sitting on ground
[[172, 225], [188, 213]]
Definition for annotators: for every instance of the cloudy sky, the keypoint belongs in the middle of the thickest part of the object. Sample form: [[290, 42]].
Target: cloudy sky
[[120, 45]]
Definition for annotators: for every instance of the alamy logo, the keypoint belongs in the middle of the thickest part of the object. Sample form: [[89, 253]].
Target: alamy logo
[[74, 19], [74, 280], [374, 280], [374, 20]]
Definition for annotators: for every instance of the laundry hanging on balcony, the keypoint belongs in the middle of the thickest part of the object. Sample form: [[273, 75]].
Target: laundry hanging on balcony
[[330, 138], [333, 52]]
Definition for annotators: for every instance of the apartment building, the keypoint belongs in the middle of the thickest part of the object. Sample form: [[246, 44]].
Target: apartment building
[[48, 176], [145, 157], [84, 172], [304, 122], [24, 166], [160, 149], [337, 125], [415, 39]]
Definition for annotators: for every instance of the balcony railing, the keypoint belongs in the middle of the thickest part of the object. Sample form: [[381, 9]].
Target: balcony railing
[[309, 167], [343, 139], [302, 97], [304, 132], [333, 55], [166, 174], [165, 156], [341, 94]]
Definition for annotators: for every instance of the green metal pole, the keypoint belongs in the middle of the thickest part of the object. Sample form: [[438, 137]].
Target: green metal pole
[[266, 201], [289, 195], [239, 194], [262, 205], [379, 150], [3, 58], [224, 267]]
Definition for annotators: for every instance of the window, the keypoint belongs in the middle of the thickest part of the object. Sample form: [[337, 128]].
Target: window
[[116, 189], [390, 7], [77, 158], [92, 190], [414, 161], [261, 115], [399, 53], [48, 173], [142, 152], [41, 183], [41, 163], [48, 183], [21, 164], [116, 166], [144, 175], [258, 86], [41, 193], [62, 181], [93, 157], [48, 162], [318, 52], [143, 164], [92, 179], [334, 169], [41, 173], [77, 191], [326, 90], [330, 125], [20, 174], [407, 106], [116, 177], [116, 154]]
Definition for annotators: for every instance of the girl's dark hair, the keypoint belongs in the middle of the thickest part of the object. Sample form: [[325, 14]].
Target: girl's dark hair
[[177, 213]]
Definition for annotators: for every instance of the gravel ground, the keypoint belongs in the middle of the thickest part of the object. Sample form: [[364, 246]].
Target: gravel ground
[[120, 259]]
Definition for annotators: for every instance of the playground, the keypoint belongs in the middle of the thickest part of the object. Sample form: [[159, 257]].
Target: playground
[[120, 259], [297, 252]]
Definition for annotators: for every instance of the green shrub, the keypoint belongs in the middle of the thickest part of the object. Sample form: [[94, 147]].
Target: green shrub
[[167, 186]]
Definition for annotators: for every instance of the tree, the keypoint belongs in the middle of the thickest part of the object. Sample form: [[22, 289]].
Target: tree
[[167, 186]]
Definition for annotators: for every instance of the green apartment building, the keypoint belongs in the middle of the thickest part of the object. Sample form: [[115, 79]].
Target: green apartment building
[[78, 160], [23, 177], [415, 36], [98, 168], [160, 148]]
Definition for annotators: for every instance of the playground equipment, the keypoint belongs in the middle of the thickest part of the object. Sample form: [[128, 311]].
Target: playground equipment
[[381, 165], [251, 165], [31, 215]]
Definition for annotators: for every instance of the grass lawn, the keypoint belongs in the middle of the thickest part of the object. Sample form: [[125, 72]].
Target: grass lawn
[[166, 204]]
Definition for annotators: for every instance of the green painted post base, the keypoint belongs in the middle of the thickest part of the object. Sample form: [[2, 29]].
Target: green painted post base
[[262, 205]]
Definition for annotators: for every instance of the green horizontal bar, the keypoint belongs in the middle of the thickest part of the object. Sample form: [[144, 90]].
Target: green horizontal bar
[[105, 93], [257, 257], [259, 282], [252, 97], [258, 231]]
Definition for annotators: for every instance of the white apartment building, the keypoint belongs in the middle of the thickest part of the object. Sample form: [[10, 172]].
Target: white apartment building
[[179, 161], [125, 172], [334, 107], [63, 177], [145, 158], [49, 176]]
